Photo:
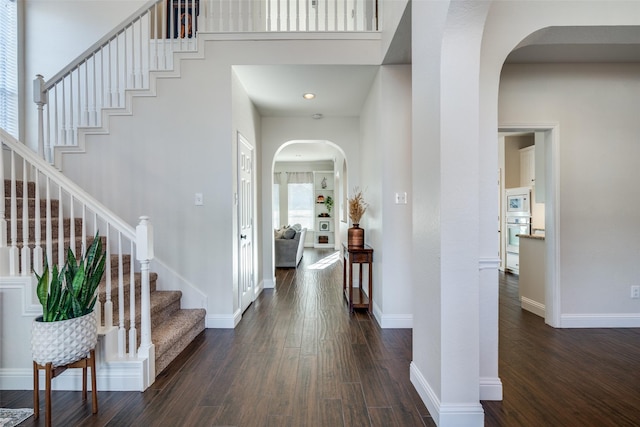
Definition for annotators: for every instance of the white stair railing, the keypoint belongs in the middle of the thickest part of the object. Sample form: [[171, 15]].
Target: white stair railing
[[78, 217], [122, 60]]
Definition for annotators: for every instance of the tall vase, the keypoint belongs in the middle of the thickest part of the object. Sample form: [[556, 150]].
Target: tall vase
[[355, 236]]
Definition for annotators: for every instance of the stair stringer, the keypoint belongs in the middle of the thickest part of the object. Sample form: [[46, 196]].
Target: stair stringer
[[107, 112], [169, 279]]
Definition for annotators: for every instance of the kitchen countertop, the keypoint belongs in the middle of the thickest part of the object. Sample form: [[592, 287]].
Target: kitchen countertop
[[531, 236]]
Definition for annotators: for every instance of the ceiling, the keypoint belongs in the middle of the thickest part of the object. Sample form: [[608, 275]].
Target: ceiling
[[276, 90]]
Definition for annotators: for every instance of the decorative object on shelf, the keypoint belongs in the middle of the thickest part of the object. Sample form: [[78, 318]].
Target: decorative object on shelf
[[323, 184], [324, 225], [323, 239], [324, 215], [67, 329], [320, 199], [357, 208], [329, 203]]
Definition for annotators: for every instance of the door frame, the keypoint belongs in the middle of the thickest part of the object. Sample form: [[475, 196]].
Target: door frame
[[240, 140], [552, 213]]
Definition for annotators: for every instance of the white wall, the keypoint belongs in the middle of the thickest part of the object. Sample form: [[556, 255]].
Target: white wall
[[444, 33], [182, 142], [56, 32], [386, 170], [596, 108]]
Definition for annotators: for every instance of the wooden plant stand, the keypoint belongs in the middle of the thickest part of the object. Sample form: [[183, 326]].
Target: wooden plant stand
[[52, 372]]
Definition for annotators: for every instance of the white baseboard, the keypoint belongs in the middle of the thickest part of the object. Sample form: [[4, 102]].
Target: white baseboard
[[114, 376], [269, 283], [258, 290], [533, 306], [392, 321], [221, 321], [605, 320], [490, 388], [445, 415], [396, 321]]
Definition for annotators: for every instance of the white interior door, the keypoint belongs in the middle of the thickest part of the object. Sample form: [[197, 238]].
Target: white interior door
[[246, 276]]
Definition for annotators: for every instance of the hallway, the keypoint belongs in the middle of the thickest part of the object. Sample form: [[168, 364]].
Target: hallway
[[298, 359]]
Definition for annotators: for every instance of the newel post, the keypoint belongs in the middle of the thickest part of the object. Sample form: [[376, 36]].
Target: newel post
[[144, 254], [40, 98]]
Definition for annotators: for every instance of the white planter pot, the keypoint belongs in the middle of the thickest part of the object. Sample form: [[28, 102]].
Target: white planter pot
[[65, 341]]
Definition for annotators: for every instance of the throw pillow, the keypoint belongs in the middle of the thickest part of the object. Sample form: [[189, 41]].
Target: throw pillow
[[289, 233], [277, 234], [297, 227]]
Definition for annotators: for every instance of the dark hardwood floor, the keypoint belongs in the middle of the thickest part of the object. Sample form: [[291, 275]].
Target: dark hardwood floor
[[298, 358], [563, 377]]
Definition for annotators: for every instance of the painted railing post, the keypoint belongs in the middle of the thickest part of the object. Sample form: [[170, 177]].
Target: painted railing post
[[4, 249], [144, 254], [40, 98]]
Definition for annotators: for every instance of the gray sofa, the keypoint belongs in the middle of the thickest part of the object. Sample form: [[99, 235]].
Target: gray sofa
[[288, 251]]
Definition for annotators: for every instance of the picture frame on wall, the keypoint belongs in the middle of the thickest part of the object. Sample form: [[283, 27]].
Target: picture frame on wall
[[324, 225], [182, 19]]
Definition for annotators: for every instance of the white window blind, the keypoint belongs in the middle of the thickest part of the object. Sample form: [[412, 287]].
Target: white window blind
[[9, 67]]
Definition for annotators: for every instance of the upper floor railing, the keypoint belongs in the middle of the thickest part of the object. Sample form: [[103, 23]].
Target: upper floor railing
[[121, 61]]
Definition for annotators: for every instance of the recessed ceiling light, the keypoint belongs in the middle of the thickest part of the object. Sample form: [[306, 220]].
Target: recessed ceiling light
[[309, 95], [317, 116]]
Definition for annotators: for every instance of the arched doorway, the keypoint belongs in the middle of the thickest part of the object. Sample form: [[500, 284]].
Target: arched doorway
[[308, 174]]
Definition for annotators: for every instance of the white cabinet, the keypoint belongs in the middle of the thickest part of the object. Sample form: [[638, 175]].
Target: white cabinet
[[513, 262], [527, 166], [325, 209]]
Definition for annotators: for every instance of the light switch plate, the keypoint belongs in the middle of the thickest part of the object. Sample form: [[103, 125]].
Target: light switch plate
[[199, 199], [401, 198]]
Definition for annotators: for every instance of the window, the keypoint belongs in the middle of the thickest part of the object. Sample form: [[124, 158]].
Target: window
[[9, 67], [301, 204]]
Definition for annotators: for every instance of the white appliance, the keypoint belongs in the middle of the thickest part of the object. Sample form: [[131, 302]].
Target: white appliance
[[516, 225], [518, 221], [519, 201]]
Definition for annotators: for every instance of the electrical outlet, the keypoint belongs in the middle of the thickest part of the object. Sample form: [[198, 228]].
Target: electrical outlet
[[635, 292]]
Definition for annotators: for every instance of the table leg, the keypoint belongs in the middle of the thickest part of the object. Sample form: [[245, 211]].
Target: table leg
[[94, 388], [344, 274], [370, 287], [47, 396], [36, 391], [350, 286]]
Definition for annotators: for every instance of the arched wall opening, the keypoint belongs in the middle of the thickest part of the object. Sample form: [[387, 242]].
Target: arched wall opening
[[314, 157], [443, 298]]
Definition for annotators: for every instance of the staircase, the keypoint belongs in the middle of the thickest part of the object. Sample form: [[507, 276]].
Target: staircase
[[173, 327]]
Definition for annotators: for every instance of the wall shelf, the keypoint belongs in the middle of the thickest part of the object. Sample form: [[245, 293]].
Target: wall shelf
[[324, 224]]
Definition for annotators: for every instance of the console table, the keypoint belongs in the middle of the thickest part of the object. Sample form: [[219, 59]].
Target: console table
[[356, 298]]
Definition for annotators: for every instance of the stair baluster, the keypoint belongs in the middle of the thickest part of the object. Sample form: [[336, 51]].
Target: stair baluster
[[63, 200], [13, 251], [25, 254]]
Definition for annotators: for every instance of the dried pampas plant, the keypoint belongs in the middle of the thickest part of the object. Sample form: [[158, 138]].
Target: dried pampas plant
[[357, 206]]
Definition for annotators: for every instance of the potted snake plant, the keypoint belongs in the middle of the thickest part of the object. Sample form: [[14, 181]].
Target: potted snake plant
[[68, 328]]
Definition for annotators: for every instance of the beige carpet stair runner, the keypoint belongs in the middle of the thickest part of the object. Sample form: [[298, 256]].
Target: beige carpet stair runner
[[172, 327]]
